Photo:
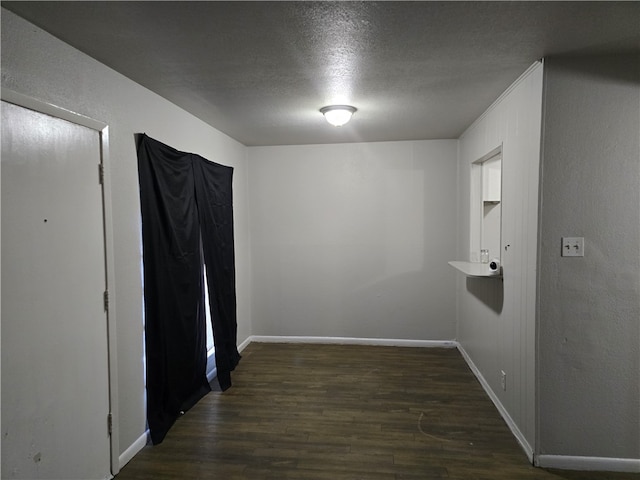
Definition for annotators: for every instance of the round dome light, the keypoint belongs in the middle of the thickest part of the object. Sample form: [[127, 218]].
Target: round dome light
[[338, 115]]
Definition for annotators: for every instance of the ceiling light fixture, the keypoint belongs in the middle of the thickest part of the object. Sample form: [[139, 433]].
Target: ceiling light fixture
[[338, 115]]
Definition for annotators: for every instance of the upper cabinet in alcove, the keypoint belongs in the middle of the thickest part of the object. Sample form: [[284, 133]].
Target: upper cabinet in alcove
[[486, 208]]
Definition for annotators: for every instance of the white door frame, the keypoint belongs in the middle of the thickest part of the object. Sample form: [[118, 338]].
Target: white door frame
[[103, 131]]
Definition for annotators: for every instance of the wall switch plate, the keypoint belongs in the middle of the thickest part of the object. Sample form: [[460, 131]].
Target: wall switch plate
[[503, 380], [573, 246]]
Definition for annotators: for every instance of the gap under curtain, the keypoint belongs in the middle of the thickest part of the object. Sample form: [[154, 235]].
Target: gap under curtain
[[187, 223]]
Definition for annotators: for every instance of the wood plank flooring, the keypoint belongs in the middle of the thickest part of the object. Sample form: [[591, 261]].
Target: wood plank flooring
[[300, 411]]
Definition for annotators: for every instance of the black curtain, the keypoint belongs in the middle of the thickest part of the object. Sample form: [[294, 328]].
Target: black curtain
[[187, 222]]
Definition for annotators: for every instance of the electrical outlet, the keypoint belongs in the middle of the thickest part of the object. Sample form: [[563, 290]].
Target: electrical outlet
[[573, 246], [503, 380]]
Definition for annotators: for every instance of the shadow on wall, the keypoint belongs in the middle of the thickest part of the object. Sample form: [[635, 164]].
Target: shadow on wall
[[489, 291], [618, 67]]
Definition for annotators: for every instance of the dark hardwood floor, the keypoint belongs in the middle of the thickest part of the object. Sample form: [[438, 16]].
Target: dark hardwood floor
[[299, 411]]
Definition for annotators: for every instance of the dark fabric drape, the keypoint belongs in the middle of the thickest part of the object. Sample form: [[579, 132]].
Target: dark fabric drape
[[215, 206], [187, 213]]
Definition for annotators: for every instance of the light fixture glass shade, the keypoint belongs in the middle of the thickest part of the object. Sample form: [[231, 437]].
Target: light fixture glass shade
[[338, 115]]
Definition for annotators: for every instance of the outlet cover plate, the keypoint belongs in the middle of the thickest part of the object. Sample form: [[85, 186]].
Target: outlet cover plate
[[573, 246]]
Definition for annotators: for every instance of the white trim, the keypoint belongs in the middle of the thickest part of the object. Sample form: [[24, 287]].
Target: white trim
[[110, 269], [134, 448], [244, 344], [496, 401], [49, 109], [393, 342], [605, 464], [211, 361], [493, 153], [211, 374]]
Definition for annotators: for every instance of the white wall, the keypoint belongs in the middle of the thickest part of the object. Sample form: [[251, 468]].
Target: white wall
[[352, 240], [589, 313], [36, 64], [496, 318]]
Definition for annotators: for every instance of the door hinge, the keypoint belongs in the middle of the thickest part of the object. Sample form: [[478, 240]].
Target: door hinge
[[106, 300], [101, 173], [110, 423]]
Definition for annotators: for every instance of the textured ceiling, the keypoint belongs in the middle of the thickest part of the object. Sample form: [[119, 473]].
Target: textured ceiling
[[260, 71]]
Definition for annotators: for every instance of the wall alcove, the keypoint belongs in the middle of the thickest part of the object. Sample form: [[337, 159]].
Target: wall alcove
[[486, 218]]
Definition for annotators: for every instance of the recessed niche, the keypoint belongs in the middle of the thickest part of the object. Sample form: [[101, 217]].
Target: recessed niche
[[486, 206], [485, 218]]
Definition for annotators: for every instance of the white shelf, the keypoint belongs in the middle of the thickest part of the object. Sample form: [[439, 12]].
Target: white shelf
[[475, 269]]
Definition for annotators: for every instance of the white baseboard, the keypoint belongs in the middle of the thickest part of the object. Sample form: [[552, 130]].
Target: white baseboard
[[134, 448], [211, 374], [496, 401], [604, 464], [244, 344], [391, 342]]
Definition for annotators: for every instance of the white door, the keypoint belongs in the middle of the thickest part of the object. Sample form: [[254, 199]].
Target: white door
[[55, 390]]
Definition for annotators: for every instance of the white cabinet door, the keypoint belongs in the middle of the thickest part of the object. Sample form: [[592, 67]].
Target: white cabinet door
[[55, 390]]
